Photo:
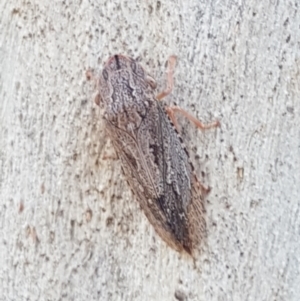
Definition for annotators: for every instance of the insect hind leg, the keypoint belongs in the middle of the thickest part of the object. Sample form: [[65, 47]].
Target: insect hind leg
[[171, 110]]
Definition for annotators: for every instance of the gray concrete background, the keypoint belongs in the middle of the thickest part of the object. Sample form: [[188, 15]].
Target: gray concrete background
[[70, 228]]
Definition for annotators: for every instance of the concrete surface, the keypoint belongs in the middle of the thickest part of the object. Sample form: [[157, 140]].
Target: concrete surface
[[70, 228]]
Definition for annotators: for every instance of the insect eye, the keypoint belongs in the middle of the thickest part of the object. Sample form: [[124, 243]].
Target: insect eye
[[105, 74], [151, 81], [138, 70], [133, 66]]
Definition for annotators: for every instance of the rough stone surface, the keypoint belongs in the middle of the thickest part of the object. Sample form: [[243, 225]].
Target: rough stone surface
[[70, 228]]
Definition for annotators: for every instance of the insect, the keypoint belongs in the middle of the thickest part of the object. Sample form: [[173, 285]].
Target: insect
[[154, 160]]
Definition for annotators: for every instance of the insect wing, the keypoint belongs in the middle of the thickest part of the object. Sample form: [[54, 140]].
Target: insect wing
[[157, 169]]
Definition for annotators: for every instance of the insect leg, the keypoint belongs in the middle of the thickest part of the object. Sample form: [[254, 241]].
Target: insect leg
[[171, 110], [90, 75], [170, 80], [204, 189], [174, 109]]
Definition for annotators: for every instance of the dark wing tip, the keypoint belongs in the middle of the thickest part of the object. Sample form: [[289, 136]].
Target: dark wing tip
[[188, 249]]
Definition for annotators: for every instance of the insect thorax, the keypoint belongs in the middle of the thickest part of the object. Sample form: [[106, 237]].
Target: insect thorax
[[130, 100]]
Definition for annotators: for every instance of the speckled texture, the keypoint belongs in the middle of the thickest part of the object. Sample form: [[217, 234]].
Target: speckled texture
[[70, 228]]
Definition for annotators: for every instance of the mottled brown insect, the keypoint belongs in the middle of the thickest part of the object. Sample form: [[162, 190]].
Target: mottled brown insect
[[154, 160]]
